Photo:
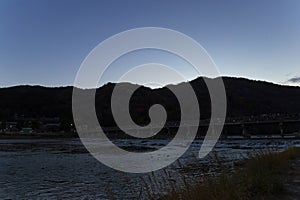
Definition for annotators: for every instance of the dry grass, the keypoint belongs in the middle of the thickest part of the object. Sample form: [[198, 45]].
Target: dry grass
[[261, 177]]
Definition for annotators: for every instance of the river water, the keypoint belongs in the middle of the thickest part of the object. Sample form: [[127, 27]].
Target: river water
[[62, 168]]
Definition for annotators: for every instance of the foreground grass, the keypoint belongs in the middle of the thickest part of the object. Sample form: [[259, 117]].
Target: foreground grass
[[262, 176]]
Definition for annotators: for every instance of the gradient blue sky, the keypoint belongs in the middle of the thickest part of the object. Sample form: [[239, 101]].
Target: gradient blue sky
[[44, 42]]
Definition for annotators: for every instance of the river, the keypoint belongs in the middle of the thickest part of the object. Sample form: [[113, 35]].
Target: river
[[62, 168]]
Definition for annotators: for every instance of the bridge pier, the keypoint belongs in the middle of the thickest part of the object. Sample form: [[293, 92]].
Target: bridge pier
[[168, 132], [188, 130], [225, 132], [151, 131], [281, 129], [245, 133]]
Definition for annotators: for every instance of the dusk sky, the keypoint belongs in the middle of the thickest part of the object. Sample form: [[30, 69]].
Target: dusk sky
[[44, 42]]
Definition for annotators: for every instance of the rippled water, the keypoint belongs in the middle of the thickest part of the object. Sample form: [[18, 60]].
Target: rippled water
[[61, 168]]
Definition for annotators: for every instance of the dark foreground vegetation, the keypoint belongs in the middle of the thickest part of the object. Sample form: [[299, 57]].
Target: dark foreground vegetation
[[267, 175]]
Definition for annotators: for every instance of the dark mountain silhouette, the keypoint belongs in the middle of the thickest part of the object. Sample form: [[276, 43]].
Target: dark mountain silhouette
[[244, 97]]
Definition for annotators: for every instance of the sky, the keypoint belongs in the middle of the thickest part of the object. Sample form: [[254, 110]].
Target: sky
[[44, 42]]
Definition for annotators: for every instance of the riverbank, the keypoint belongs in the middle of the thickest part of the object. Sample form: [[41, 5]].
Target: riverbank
[[37, 136], [268, 175], [17, 135]]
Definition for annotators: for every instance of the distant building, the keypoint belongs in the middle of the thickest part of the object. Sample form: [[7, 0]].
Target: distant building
[[51, 127], [11, 126], [26, 130]]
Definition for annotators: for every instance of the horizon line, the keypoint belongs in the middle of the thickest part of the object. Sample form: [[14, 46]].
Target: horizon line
[[174, 84]]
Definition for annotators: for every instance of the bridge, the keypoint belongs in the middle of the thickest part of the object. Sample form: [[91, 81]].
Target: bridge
[[280, 128]]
